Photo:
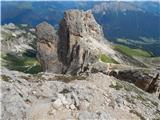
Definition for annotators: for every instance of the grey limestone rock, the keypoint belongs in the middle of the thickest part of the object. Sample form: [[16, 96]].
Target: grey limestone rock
[[68, 51], [47, 47]]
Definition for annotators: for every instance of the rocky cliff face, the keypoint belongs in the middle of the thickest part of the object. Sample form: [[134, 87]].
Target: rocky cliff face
[[81, 24], [147, 80], [75, 44], [75, 29]]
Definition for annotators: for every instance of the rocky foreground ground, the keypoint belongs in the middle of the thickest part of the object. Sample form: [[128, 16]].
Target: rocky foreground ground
[[63, 97]]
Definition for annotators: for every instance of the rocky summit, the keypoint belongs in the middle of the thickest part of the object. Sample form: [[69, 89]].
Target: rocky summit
[[82, 78]]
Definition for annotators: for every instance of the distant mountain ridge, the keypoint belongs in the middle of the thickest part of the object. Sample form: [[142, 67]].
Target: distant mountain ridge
[[135, 24]]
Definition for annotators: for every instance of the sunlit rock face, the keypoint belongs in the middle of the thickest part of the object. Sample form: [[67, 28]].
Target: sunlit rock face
[[75, 29]]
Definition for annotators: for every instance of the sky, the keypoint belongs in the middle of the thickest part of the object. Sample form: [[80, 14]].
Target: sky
[[80, 0]]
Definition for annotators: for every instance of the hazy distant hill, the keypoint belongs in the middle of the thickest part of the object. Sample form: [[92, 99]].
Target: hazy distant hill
[[35, 12], [131, 23], [134, 24]]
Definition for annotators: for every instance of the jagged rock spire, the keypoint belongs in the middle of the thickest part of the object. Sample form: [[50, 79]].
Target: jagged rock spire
[[70, 47], [47, 47]]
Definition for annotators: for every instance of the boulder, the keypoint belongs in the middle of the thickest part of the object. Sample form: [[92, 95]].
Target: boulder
[[146, 80]]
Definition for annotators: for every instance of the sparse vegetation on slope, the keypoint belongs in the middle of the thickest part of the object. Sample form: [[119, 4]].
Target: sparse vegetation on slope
[[138, 114], [116, 86], [22, 63], [132, 52], [5, 78], [107, 59]]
